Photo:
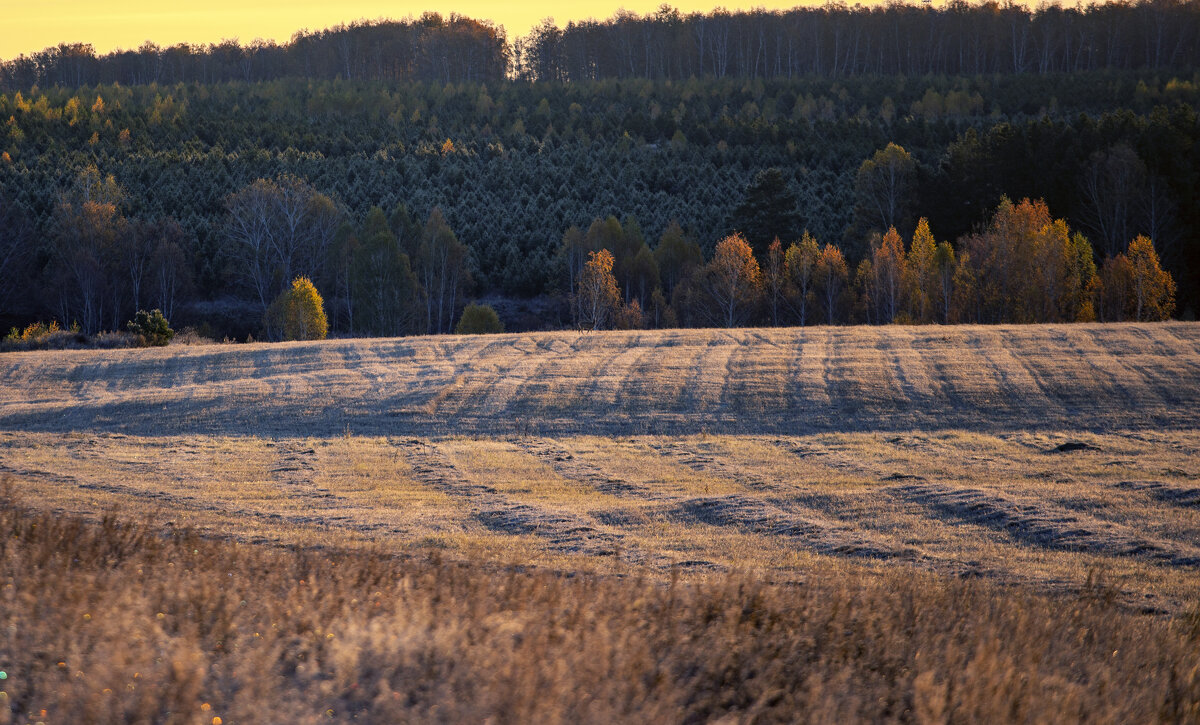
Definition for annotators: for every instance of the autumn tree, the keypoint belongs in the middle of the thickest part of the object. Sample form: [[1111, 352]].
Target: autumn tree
[[598, 296], [1081, 280], [1152, 288], [889, 265], [775, 280], [298, 313], [85, 241], [800, 264], [1113, 294], [831, 275], [1002, 258], [732, 281], [922, 281], [88, 233], [945, 266]]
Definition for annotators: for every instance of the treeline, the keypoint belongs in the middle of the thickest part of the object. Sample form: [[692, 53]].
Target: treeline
[[896, 38], [390, 274], [445, 50], [831, 41], [1023, 267]]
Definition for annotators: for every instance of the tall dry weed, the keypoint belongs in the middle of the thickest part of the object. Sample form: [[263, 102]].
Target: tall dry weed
[[112, 621]]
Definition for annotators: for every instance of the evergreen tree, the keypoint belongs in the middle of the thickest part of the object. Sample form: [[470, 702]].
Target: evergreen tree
[[768, 210]]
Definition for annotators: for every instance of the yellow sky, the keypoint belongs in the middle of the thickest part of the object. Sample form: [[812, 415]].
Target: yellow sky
[[107, 24]]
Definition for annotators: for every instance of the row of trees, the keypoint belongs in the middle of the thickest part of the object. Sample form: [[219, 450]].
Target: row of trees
[[836, 40], [833, 41], [1024, 266], [527, 161], [431, 48], [390, 275]]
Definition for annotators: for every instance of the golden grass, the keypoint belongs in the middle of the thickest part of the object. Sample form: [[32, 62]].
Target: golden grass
[[119, 622]]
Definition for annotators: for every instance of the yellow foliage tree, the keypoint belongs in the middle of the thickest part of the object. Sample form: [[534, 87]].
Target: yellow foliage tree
[[922, 279], [800, 262], [890, 268], [298, 313], [1153, 289]]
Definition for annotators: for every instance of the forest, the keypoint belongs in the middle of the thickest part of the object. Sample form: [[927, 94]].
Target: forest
[[410, 167]]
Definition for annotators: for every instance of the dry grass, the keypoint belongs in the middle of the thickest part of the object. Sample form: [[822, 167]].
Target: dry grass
[[116, 622], [825, 524], [787, 507]]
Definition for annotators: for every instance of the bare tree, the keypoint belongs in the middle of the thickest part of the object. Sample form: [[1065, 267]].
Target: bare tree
[[279, 229], [1112, 186]]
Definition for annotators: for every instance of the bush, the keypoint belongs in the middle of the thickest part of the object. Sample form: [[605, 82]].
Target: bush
[[43, 336], [151, 327], [32, 333], [479, 320], [298, 313]]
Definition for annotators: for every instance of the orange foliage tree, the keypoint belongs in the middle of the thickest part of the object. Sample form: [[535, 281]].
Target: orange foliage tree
[[598, 296], [831, 277], [732, 281], [1027, 267]]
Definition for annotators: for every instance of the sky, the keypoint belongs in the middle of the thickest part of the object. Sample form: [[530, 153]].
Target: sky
[[108, 24]]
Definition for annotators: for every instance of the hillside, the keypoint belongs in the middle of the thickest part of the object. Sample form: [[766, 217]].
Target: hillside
[[761, 381]]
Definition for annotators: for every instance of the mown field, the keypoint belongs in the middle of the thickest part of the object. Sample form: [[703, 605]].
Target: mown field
[[913, 524]]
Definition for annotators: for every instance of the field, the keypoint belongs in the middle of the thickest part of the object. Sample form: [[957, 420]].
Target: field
[[1018, 505]]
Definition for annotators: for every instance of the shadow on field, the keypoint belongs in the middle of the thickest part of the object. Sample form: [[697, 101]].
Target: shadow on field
[[678, 382]]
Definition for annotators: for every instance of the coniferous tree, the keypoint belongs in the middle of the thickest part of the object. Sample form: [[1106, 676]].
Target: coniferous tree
[[768, 210]]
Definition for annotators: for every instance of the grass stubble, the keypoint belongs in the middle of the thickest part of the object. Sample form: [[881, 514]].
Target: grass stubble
[[854, 541]]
